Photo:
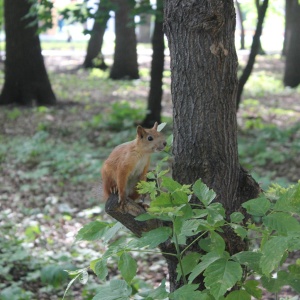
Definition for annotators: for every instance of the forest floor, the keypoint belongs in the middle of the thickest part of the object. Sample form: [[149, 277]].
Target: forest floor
[[51, 157]]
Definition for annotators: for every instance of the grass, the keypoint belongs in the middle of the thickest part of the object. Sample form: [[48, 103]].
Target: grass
[[51, 157]]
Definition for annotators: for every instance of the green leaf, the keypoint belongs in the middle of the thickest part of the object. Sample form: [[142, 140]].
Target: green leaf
[[92, 231], [213, 243], [159, 293], [289, 200], [272, 253], [294, 243], [179, 197], [294, 277], [145, 217], [238, 295], [236, 217], [221, 275], [239, 230], [273, 285], [188, 291], [116, 290], [282, 222], [249, 259], [188, 263], [111, 232], [84, 277], [257, 207], [251, 286], [32, 232], [170, 184], [217, 242], [128, 266], [199, 213], [99, 266], [216, 214], [187, 212], [148, 187], [189, 227], [155, 237], [206, 260], [163, 200], [203, 193]]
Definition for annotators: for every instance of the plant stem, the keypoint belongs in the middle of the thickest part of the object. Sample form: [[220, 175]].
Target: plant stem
[[178, 255], [193, 242]]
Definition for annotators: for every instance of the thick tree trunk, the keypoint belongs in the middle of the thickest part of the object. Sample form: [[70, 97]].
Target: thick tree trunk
[[204, 84], [157, 69], [125, 64], [292, 64], [253, 52], [26, 79], [96, 39]]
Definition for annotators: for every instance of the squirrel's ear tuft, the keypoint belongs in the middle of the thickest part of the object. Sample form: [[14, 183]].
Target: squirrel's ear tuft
[[140, 131], [155, 126]]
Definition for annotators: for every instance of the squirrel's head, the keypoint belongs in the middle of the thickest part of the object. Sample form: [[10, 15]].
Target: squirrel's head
[[150, 139]]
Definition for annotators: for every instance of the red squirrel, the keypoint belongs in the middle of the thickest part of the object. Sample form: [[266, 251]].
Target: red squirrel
[[128, 164]]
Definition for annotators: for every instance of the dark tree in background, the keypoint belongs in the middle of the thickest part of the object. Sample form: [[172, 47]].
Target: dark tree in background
[[26, 79], [241, 19], [157, 69], [125, 58], [259, 5], [255, 48], [292, 44], [96, 40], [204, 84]]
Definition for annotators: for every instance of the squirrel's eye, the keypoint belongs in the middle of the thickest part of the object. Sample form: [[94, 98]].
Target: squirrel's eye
[[150, 138]]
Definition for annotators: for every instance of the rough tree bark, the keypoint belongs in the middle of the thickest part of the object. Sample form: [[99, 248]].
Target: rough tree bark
[[292, 51], [96, 39], [253, 52], [125, 64], [204, 84], [157, 69], [26, 79]]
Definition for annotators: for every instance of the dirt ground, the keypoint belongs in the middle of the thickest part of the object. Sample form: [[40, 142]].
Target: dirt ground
[[75, 199]]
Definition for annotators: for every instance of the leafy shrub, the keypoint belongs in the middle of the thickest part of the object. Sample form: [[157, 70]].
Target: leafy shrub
[[273, 231], [122, 115]]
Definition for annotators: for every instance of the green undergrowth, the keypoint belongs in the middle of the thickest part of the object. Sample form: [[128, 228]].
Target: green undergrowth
[[50, 159], [272, 233]]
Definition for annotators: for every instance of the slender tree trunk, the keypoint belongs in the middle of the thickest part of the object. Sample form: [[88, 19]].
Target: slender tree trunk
[[96, 39], [204, 84], [292, 64], [287, 31], [157, 69], [261, 51], [241, 19], [253, 52], [26, 79], [125, 64]]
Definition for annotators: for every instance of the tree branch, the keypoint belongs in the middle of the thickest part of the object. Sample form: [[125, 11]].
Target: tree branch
[[128, 215]]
